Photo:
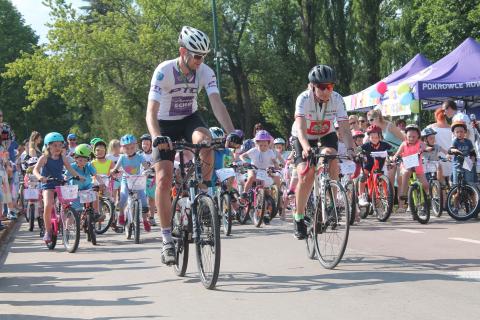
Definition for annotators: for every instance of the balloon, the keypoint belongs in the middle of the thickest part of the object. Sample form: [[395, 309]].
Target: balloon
[[374, 94], [382, 87], [406, 99], [415, 106], [403, 88]]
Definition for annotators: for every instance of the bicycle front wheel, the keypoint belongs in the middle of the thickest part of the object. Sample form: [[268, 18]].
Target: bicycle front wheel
[[463, 202], [259, 208], [31, 217], [91, 227], [436, 196], [418, 203], [382, 198], [309, 217], [136, 219], [208, 241], [226, 213], [106, 208], [180, 239], [331, 227], [352, 200], [71, 230]]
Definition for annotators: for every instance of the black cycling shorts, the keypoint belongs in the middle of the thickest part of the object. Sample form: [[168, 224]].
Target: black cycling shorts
[[177, 130], [328, 141]]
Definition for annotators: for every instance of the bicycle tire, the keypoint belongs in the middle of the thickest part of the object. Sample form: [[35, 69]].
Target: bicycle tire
[[31, 217], [275, 195], [209, 235], [352, 200], [436, 196], [180, 240], [324, 232], [246, 210], [465, 194], [226, 213], [309, 218], [71, 245], [136, 223], [415, 193], [259, 208], [106, 208], [383, 185], [51, 245], [91, 227]]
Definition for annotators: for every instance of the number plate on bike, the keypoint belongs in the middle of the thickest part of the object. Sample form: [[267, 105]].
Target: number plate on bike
[[411, 161], [347, 167], [262, 175], [225, 173], [67, 193], [379, 154], [31, 194], [87, 196], [430, 167], [136, 182]]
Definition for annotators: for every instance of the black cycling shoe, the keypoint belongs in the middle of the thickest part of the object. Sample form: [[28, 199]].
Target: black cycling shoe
[[168, 253], [300, 230], [266, 219]]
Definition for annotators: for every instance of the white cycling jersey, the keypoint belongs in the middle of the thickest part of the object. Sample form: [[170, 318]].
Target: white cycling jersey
[[319, 122], [177, 93]]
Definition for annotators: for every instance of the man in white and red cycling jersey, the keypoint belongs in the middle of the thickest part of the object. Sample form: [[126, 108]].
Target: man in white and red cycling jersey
[[172, 115], [316, 110]]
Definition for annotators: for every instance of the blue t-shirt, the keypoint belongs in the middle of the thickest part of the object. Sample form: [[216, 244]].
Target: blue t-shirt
[[87, 172], [465, 146], [131, 165], [223, 158]]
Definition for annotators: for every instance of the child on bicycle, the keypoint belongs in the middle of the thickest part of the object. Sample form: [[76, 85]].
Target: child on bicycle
[[50, 165], [358, 137], [262, 157], [411, 146], [375, 144], [432, 150], [131, 163], [101, 163], [113, 155], [461, 146], [85, 169]]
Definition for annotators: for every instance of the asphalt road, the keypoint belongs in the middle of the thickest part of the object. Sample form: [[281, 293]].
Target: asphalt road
[[393, 270]]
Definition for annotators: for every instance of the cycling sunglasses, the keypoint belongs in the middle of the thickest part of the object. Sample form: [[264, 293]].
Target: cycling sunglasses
[[323, 86], [197, 56]]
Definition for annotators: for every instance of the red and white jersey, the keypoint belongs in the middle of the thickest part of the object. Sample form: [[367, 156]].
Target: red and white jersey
[[177, 93], [319, 122]]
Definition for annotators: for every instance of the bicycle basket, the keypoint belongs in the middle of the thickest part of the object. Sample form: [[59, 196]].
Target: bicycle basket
[[87, 196], [67, 193], [136, 182]]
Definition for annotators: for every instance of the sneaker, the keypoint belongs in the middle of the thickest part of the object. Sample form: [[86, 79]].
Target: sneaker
[[12, 215], [266, 218], [363, 201], [152, 221], [146, 226], [168, 253], [47, 237], [121, 219], [300, 230]]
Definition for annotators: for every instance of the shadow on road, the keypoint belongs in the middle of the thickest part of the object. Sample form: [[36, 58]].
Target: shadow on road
[[36, 317]]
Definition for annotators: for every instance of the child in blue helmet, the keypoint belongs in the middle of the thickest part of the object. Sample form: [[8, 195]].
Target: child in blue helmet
[[51, 164], [131, 162]]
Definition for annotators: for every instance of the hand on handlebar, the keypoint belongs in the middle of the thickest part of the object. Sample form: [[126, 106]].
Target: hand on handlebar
[[162, 143]]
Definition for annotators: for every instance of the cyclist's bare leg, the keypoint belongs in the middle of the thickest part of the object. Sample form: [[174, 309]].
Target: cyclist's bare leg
[[424, 182], [163, 201], [47, 209], [304, 187], [201, 135], [250, 180], [402, 188]]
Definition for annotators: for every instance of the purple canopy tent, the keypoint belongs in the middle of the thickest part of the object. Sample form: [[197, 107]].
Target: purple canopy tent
[[362, 101]]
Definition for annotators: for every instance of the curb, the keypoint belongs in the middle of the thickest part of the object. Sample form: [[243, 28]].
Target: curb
[[5, 234]]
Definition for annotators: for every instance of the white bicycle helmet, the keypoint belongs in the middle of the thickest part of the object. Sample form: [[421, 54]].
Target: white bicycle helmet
[[194, 40], [279, 141], [217, 133]]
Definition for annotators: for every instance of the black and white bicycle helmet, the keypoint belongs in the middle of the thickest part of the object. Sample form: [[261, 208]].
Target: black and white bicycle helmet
[[322, 74], [194, 40]]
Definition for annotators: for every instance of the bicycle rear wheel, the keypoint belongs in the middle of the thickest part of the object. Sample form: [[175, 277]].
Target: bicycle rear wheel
[[463, 202], [417, 201], [208, 242], [259, 208], [226, 213], [71, 230], [436, 196], [331, 228], [106, 208], [180, 239], [31, 217], [91, 227], [383, 198]]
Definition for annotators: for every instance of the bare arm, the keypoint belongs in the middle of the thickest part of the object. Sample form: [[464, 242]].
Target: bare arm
[[301, 125], [220, 112], [347, 134], [70, 169], [244, 156], [151, 118], [397, 132], [36, 171]]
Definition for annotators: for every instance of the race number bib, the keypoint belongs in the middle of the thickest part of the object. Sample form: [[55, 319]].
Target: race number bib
[[467, 164], [262, 175], [319, 128], [411, 161], [225, 173]]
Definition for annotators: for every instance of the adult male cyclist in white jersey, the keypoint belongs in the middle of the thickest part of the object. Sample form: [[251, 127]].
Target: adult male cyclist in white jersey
[[172, 115], [316, 110]]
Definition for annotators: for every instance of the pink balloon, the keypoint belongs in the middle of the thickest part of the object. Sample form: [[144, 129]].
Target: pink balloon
[[382, 87]]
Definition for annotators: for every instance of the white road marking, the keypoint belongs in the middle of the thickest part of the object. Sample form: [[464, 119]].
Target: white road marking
[[466, 274], [466, 240], [410, 231]]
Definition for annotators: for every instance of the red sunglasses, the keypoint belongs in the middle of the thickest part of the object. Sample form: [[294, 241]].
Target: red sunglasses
[[323, 86]]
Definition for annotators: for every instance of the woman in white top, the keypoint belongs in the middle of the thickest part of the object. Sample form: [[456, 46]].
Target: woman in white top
[[444, 133]]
